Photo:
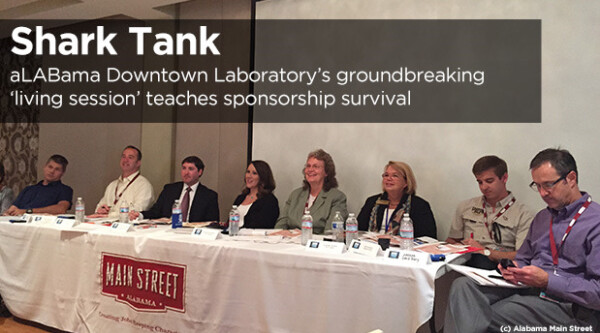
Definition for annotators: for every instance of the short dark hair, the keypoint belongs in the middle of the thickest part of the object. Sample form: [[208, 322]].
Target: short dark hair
[[2, 172], [266, 183], [136, 149], [560, 159], [490, 162], [59, 159], [330, 180], [194, 160]]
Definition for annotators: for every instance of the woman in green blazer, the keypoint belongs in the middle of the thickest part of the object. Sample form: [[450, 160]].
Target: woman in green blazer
[[319, 195]]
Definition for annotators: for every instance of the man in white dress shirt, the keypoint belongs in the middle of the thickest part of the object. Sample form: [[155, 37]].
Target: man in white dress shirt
[[131, 187]]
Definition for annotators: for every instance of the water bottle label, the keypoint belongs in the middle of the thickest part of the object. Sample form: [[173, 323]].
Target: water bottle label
[[337, 225], [176, 211], [234, 218], [79, 207], [124, 210], [307, 225], [352, 228], [176, 220], [406, 234]]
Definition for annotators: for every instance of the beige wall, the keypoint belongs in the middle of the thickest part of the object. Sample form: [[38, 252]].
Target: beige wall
[[222, 147], [94, 150]]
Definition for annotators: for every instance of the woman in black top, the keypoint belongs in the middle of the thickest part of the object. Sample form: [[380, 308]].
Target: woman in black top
[[257, 205], [382, 213]]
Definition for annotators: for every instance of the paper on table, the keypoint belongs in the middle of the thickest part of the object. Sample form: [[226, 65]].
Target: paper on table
[[8, 218], [445, 248], [100, 219], [482, 276], [287, 233]]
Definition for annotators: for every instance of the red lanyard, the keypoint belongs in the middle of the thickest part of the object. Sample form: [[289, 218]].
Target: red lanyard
[[502, 211], [117, 197], [553, 243]]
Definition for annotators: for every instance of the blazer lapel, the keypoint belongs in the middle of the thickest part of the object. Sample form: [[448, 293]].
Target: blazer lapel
[[319, 201]]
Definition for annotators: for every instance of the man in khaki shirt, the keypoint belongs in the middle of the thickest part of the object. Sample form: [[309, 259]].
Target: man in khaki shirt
[[494, 222]]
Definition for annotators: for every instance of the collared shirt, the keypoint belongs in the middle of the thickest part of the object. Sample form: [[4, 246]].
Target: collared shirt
[[192, 195], [7, 196], [577, 277], [139, 194], [40, 195], [514, 223]]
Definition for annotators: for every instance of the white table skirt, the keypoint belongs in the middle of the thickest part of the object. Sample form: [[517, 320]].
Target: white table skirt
[[55, 277]]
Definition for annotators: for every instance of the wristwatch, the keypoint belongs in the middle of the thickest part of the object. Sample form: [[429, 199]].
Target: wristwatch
[[487, 252], [29, 211]]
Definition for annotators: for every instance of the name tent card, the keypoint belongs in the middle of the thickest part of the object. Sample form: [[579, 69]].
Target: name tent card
[[365, 248], [314, 245], [120, 228], [42, 219], [65, 223], [407, 257], [205, 233]]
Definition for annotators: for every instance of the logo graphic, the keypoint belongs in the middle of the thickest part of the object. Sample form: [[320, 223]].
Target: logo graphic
[[146, 285]]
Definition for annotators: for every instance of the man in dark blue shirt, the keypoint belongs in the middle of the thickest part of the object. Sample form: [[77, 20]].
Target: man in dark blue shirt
[[49, 196]]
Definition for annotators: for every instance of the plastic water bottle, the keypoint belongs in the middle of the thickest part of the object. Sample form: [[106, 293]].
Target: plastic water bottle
[[307, 227], [351, 229], [124, 212], [79, 210], [407, 234], [234, 221], [176, 217], [337, 227]]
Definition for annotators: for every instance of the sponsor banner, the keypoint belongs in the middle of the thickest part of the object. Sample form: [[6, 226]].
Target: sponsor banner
[[146, 285]]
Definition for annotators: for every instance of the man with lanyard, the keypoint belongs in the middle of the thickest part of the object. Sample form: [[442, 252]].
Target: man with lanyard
[[494, 222], [559, 261], [130, 187]]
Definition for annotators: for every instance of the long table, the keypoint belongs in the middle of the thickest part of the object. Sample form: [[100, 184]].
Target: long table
[[89, 280]]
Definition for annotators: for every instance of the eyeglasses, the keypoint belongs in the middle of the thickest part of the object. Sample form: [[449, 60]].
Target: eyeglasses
[[547, 186], [394, 176], [312, 166]]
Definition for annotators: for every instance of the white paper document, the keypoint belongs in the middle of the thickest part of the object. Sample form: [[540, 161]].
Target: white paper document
[[484, 277]]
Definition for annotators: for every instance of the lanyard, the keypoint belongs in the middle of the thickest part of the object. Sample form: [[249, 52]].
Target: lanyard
[[502, 211], [553, 243], [117, 197], [387, 221]]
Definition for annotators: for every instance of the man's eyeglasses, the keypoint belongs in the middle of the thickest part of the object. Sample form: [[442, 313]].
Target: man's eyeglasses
[[547, 186]]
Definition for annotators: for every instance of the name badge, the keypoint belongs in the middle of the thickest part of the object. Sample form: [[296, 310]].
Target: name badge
[[365, 248], [314, 245], [42, 219], [205, 233], [65, 223], [407, 257], [120, 228]]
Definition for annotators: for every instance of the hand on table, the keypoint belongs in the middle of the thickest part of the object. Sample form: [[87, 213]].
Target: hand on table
[[104, 209]]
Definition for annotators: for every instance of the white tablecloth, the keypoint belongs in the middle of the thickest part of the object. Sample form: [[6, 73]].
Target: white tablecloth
[[55, 277]]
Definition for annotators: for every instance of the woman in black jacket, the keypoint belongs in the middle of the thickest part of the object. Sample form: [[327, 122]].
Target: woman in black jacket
[[382, 213], [257, 205]]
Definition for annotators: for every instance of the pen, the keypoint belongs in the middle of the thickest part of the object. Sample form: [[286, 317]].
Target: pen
[[485, 278], [496, 277], [147, 226]]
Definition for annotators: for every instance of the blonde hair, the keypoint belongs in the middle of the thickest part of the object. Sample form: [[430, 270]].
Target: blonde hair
[[405, 170]]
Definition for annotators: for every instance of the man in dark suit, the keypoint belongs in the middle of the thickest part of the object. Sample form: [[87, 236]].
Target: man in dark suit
[[198, 203]]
